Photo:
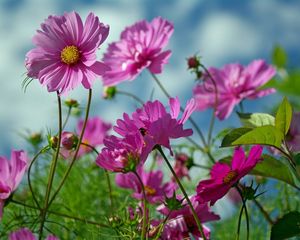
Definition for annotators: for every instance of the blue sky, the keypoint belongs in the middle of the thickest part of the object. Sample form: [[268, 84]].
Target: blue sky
[[221, 31]]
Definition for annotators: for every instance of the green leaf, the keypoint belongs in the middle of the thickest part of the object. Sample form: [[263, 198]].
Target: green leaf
[[253, 120], [284, 116], [265, 135], [279, 56], [273, 168], [233, 135], [286, 227], [269, 167]]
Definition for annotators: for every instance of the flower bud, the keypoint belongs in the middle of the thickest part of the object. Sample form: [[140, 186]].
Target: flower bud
[[173, 203], [35, 139], [193, 62], [71, 103], [69, 140], [53, 142], [109, 92]]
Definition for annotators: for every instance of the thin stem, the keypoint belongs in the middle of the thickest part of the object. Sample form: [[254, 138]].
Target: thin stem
[[239, 223], [201, 166], [183, 191], [52, 169], [61, 214], [144, 226], [181, 109], [67, 118], [246, 211], [162, 226], [136, 98], [264, 212], [76, 150]]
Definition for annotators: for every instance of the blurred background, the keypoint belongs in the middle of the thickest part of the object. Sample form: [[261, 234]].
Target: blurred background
[[220, 31]]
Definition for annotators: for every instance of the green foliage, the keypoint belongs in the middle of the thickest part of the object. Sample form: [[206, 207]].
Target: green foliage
[[279, 57], [286, 227], [234, 135], [284, 116], [253, 120]]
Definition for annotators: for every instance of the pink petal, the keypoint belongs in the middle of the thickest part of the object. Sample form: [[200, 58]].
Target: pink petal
[[174, 107]]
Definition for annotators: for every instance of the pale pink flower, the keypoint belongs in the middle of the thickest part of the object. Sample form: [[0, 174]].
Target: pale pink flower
[[141, 46], [234, 83], [26, 234], [11, 174], [65, 53], [95, 131], [223, 176], [155, 189], [155, 124]]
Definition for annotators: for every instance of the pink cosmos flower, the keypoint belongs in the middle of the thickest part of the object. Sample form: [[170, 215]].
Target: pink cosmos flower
[[234, 84], [95, 131], [181, 169], [11, 174], [121, 154], [26, 234], [223, 176], [155, 124], [140, 47], [293, 137], [65, 53], [153, 184], [181, 222]]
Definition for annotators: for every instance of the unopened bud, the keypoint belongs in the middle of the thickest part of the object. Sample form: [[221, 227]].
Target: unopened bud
[[69, 140], [173, 203], [53, 142], [71, 103], [35, 139], [109, 92], [193, 62]]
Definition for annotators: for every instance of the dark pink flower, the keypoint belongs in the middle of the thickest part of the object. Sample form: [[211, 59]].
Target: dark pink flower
[[181, 222], [223, 176], [181, 165], [234, 84], [95, 131], [141, 46], [65, 53], [11, 174], [121, 154], [155, 124], [293, 137], [26, 234], [153, 183]]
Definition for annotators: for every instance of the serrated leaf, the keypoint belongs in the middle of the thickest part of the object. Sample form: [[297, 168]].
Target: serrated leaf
[[265, 135], [284, 116], [286, 227], [252, 120], [269, 167], [233, 135], [279, 56]]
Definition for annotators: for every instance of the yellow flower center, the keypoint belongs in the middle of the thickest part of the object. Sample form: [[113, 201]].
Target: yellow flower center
[[230, 176], [70, 55], [149, 190]]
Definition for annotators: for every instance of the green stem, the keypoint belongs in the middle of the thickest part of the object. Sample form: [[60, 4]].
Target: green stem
[[183, 191], [52, 170], [61, 214], [181, 109], [162, 226], [264, 212], [67, 118], [201, 166], [28, 175], [246, 211], [239, 223], [144, 226], [76, 150], [131, 95]]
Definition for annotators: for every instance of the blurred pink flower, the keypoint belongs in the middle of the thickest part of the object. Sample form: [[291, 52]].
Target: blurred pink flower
[[181, 168], [65, 53], [95, 131], [181, 222], [293, 136], [234, 84], [140, 47], [11, 174], [121, 154], [153, 183], [223, 176], [155, 125], [26, 234]]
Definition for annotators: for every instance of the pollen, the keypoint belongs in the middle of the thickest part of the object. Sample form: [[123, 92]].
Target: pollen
[[230, 176], [149, 190], [70, 55]]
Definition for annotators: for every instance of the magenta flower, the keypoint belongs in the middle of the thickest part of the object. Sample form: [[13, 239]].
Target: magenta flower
[[95, 131], [181, 222], [26, 234], [293, 137], [153, 184], [234, 84], [181, 166], [121, 154], [65, 53], [140, 47], [223, 176], [155, 124], [11, 174]]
